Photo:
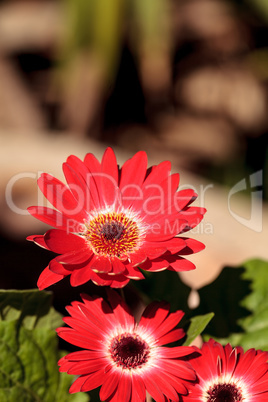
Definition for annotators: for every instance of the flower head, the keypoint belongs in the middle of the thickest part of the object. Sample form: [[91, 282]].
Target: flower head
[[227, 374], [109, 220], [125, 358]]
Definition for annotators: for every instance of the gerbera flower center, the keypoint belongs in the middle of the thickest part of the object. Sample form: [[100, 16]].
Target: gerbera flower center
[[113, 234], [224, 393], [129, 351]]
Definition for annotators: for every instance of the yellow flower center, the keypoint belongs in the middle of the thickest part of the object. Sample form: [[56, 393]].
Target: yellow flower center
[[113, 234]]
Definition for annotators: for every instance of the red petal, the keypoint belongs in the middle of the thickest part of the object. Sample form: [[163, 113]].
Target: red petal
[[80, 182], [75, 257], [177, 351], [58, 268], [179, 264], [97, 314], [156, 265], [166, 228], [152, 251], [101, 264], [164, 386], [119, 281], [159, 199], [60, 196], [109, 177], [124, 387], [77, 384], [153, 388], [93, 179], [101, 279], [154, 315], [61, 242], [93, 381], [86, 367], [171, 336], [88, 329], [193, 215], [84, 355], [192, 246], [139, 386], [120, 309], [77, 339], [132, 176], [81, 276], [48, 278], [158, 174], [173, 245], [181, 369], [138, 257], [168, 324], [184, 198], [176, 382], [92, 163], [39, 240], [55, 218], [117, 266], [109, 385], [133, 272]]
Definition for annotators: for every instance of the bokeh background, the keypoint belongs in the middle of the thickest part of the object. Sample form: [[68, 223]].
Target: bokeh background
[[184, 80]]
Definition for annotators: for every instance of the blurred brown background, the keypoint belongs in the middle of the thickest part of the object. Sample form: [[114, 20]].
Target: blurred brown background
[[184, 80]]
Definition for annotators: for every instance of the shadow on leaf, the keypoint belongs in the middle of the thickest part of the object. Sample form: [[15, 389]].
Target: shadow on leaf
[[224, 297], [165, 285]]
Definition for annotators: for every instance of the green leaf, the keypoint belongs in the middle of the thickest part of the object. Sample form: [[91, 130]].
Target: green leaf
[[29, 350], [196, 327], [247, 297], [256, 271], [255, 326], [31, 307]]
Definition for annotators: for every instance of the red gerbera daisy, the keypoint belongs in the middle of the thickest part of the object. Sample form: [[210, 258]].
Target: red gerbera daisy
[[227, 374], [125, 358], [109, 221]]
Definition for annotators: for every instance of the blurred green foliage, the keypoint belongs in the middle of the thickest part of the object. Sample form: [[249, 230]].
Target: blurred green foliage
[[93, 27], [98, 28]]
